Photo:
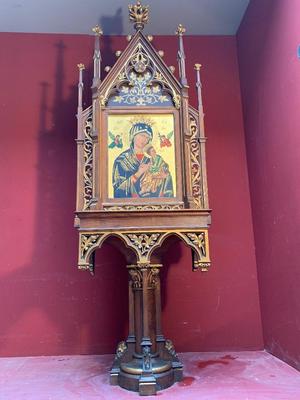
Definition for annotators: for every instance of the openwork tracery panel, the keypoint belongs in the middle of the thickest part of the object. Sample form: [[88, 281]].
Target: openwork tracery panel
[[140, 83]]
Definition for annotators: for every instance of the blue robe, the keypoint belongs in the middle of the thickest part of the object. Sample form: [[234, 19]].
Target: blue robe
[[126, 165]]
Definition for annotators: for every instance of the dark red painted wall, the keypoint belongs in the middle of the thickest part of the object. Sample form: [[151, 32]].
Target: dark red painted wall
[[48, 306], [270, 79]]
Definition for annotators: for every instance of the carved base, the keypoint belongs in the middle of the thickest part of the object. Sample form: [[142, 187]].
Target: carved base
[[132, 376], [146, 362]]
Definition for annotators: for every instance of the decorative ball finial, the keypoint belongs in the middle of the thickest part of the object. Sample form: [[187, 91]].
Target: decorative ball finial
[[81, 67], [197, 67], [97, 31], [180, 30], [139, 15]]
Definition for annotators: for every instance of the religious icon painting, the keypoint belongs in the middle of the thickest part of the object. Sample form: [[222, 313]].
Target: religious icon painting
[[141, 156]]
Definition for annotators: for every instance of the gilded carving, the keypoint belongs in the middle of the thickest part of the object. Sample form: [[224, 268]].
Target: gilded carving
[[143, 242], [150, 207], [153, 277], [195, 162], [140, 83], [86, 243], [203, 266], [88, 164], [180, 30], [97, 30], [138, 14], [121, 350], [170, 348], [198, 239], [81, 66], [136, 278]]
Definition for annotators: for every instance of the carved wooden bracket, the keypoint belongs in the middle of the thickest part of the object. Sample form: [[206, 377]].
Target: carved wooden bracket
[[143, 244]]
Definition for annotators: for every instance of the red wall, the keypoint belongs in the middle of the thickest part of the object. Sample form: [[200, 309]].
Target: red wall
[[48, 306], [270, 75]]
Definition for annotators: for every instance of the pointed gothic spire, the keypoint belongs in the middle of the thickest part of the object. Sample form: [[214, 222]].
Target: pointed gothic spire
[[180, 55], [97, 56]]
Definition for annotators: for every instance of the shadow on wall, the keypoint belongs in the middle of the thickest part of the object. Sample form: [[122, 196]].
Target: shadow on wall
[[50, 306], [112, 25]]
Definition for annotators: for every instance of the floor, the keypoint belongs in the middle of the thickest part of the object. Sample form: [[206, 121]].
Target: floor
[[207, 376]]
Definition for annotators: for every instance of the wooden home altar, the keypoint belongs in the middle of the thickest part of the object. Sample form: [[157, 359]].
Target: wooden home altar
[[141, 178]]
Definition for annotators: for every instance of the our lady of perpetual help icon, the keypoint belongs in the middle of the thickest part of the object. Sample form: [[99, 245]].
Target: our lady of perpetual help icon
[[145, 168]]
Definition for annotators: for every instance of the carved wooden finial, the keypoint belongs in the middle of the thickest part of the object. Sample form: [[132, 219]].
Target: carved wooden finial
[[180, 30], [181, 56], [97, 56], [97, 31], [81, 66], [139, 15]]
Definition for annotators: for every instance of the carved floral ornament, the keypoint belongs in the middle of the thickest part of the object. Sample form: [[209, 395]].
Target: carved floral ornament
[[143, 244], [148, 207], [88, 163], [138, 14], [195, 162]]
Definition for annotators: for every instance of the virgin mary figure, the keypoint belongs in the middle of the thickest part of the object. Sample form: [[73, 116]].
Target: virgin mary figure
[[131, 166]]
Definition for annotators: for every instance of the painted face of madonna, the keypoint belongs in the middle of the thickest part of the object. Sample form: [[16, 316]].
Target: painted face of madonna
[[140, 140]]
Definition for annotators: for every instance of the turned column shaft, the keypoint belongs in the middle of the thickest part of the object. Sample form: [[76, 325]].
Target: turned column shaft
[[144, 307], [131, 327], [146, 294]]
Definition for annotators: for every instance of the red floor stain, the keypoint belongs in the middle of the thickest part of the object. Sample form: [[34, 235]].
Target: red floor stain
[[223, 361], [186, 381], [228, 357]]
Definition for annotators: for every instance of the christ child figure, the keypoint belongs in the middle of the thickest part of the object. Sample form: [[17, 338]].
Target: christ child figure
[[153, 181]]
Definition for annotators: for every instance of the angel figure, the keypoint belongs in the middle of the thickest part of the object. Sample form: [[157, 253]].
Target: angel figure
[[116, 141], [165, 139]]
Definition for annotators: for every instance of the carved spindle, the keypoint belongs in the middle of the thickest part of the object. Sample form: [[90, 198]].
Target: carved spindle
[[181, 56], [97, 56], [202, 138], [146, 335], [199, 91], [81, 67]]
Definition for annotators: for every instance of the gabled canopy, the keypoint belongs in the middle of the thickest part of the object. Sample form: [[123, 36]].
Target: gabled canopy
[[140, 77]]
